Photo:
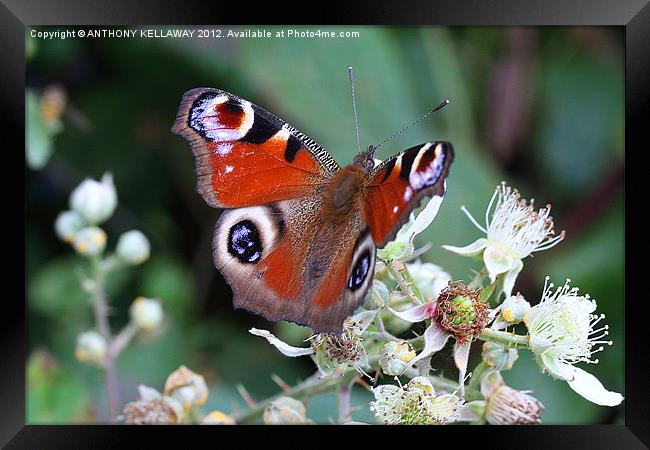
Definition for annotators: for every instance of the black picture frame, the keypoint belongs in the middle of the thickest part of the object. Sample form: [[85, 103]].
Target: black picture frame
[[632, 15]]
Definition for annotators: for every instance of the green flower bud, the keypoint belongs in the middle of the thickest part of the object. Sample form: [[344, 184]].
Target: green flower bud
[[395, 357], [396, 250], [67, 224], [285, 411], [95, 201], [499, 357], [90, 241], [146, 313], [91, 348], [377, 296], [133, 247]]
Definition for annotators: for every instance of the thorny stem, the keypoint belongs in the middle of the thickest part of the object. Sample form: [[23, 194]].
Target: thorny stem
[[100, 303], [344, 393], [307, 388]]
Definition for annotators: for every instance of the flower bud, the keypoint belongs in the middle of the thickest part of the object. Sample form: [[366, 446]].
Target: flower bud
[[396, 250], [512, 312], [218, 418], [146, 313], [186, 387], [67, 224], [90, 241], [285, 411], [395, 357], [91, 348], [133, 247], [430, 278], [95, 200], [499, 357], [377, 296]]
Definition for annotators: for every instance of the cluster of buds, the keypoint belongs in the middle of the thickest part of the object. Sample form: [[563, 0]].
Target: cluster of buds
[[92, 203], [396, 357]]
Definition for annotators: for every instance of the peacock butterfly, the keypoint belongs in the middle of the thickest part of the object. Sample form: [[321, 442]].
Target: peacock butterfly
[[298, 238]]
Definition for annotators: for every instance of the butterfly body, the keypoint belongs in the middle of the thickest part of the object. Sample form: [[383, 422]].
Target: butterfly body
[[298, 238]]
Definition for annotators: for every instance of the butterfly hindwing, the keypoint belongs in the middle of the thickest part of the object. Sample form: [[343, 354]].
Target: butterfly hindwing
[[245, 155], [397, 186], [284, 262]]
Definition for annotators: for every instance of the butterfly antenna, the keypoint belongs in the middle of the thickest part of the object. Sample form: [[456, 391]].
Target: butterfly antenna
[[437, 108], [354, 107]]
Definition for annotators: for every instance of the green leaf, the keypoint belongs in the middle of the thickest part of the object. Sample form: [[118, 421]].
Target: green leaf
[[54, 393]]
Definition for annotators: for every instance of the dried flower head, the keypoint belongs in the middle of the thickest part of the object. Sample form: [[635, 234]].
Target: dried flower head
[[508, 406], [460, 311], [155, 412]]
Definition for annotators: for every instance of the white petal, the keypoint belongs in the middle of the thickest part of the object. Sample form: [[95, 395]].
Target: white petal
[[497, 261], [416, 314], [284, 348], [472, 249], [461, 355], [426, 216], [511, 276], [590, 388], [435, 339]]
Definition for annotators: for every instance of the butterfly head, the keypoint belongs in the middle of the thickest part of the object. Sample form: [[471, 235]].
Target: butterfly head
[[366, 159]]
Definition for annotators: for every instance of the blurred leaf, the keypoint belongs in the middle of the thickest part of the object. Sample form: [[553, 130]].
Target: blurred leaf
[[56, 289], [54, 393], [171, 282], [39, 143]]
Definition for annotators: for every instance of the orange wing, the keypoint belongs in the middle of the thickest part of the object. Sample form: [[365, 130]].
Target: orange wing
[[397, 186], [245, 155]]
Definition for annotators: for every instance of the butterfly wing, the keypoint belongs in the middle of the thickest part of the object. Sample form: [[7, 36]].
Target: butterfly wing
[[286, 262], [397, 186], [245, 155], [279, 254]]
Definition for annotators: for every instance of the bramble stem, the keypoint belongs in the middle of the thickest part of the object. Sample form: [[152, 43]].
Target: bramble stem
[[405, 281], [344, 394], [100, 303], [504, 338]]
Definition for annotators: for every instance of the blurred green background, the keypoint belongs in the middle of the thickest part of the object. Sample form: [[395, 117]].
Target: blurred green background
[[541, 108]]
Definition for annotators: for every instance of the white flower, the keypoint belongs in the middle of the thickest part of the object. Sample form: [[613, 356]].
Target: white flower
[[133, 247], [95, 200], [146, 313], [430, 278], [515, 231], [401, 248], [562, 333], [415, 404], [67, 224]]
